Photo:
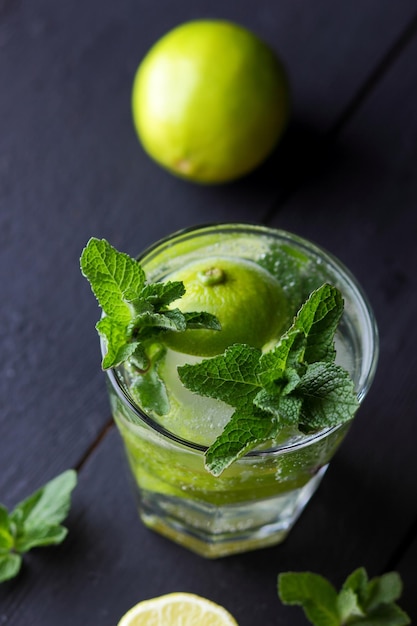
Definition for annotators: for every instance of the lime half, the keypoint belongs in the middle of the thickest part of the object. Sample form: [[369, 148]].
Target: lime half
[[177, 608], [248, 302]]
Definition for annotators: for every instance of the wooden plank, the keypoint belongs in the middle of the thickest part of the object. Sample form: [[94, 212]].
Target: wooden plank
[[361, 207]]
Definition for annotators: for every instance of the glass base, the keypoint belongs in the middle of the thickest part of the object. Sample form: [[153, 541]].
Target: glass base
[[216, 531]]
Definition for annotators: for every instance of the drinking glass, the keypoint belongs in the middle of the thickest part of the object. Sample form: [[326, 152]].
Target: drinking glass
[[255, 502]]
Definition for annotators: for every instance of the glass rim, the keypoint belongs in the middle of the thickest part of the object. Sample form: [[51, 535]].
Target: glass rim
[[367, 372]]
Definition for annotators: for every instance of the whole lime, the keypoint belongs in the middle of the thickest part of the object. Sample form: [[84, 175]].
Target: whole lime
[[248, 302], [210, 101]]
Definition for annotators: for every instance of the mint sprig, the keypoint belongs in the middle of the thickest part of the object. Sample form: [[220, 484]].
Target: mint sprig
[[360, 602], [297, 383], [136, 312], [34, 522]]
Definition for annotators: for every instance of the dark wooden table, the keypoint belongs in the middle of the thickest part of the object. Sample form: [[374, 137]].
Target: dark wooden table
[[71, 167]]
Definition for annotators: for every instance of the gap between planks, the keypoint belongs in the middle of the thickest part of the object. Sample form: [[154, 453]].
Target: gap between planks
[[94, 445]]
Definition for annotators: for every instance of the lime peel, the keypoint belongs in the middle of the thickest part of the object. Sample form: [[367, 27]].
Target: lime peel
[[248, 302], [210, 101], [183, 608]]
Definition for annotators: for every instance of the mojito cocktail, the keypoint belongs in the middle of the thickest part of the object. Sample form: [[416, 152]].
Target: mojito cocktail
[[229, 425]]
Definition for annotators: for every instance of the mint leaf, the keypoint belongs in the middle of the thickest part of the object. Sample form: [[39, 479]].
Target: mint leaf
[[286, 409], [37, 519], [357, 581], [113, 276], [34, 522], [6, 537], [348, 605], [383, 615], [386, 588], [314, 593], [299, 271], [49, 504], [201, 319], [297, 587], [137, 314], [328, 397], [310, 338], [244, 431], [318, 319], [156, 321], [148, 387], [37, 536], [231, 377], [295, 384], [10, 565], [162, 294], [287, 354], [114, 334], [360, 602]]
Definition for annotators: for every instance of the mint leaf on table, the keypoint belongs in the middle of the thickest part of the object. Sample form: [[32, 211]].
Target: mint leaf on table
[[294, 384], [34, 522], [360, 602], [314, 593], [136, 313], [9, 562]]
